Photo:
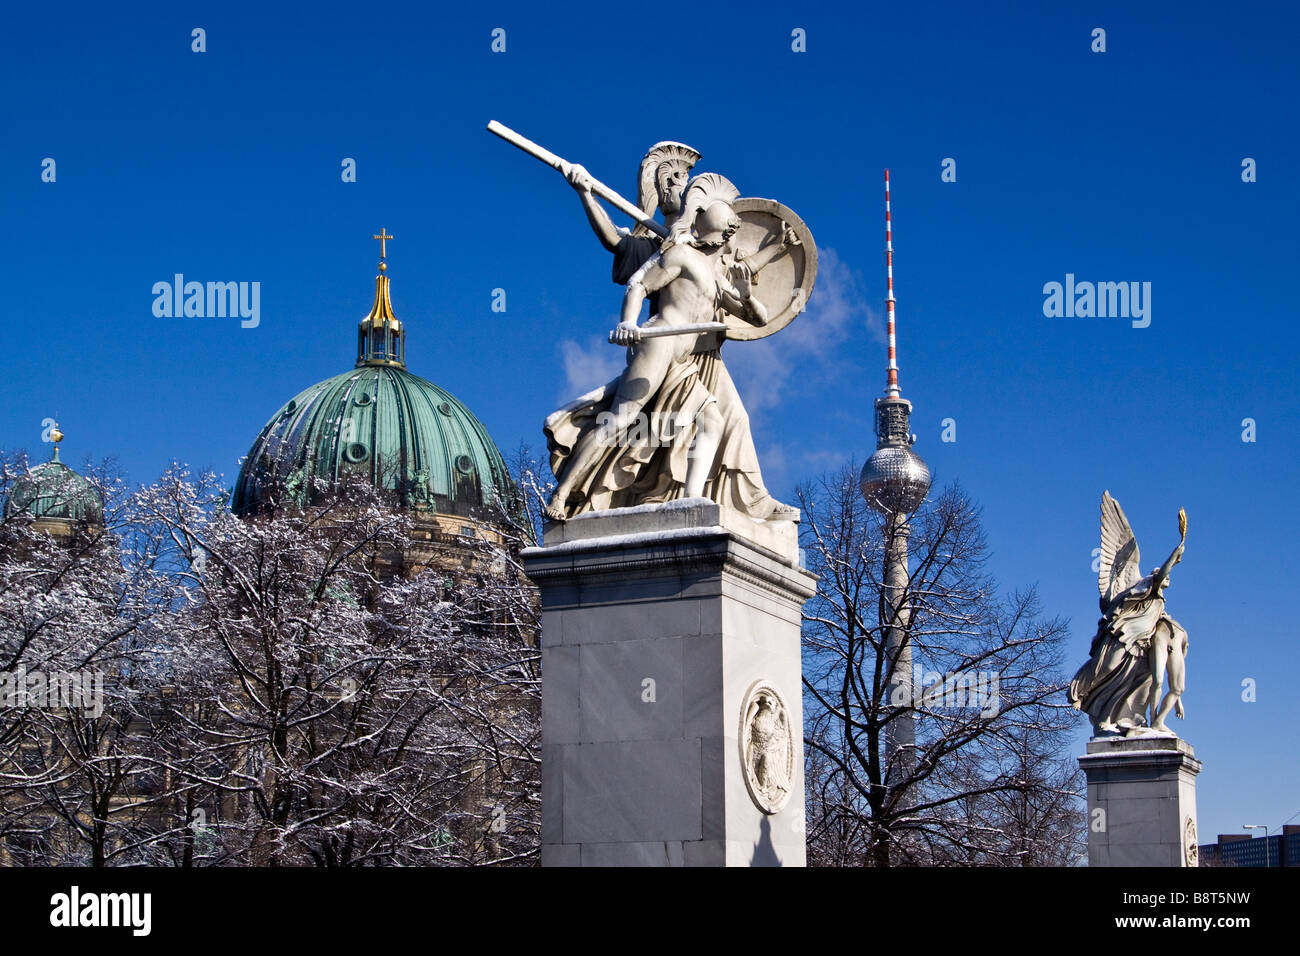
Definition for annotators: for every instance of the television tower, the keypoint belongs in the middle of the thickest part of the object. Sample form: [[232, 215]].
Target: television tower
[[894, 482]]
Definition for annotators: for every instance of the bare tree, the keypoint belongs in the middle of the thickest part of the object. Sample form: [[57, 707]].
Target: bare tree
[[987, 781], [72, 642], [332, 712], [285, 690]]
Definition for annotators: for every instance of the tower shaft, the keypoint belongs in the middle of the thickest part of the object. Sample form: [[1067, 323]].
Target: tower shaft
[[900, 734]]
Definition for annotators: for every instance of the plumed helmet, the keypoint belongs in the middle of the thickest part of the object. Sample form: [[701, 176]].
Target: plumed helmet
[[715, 223], [701, 191], [647, 186]]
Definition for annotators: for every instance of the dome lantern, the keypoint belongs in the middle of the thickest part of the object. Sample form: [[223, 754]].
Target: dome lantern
[[381, 338]]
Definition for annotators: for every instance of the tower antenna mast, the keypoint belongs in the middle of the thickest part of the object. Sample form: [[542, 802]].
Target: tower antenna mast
[[891, 386]]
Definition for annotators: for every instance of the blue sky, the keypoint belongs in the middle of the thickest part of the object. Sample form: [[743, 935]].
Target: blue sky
[[1115, 166]]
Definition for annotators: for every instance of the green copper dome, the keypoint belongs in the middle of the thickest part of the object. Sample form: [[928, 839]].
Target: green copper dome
[[54, 491], [400, 432]]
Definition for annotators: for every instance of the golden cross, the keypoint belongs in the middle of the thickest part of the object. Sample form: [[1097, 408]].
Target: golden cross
[[383, 238]]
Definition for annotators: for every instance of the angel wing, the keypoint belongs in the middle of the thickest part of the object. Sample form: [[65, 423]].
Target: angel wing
[[1120, 566]]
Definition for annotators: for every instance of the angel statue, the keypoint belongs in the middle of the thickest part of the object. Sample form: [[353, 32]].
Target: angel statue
[[1136, 643], [671, 424]]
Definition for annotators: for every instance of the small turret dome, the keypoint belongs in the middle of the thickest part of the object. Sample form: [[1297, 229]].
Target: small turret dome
[[54, 493]]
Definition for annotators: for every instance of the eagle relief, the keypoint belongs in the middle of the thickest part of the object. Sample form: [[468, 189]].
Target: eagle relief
[[1191, 851], [767, 747]]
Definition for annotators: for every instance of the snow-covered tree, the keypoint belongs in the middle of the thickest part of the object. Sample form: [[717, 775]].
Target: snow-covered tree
[[330, 711], [73, 637], [292, 689]]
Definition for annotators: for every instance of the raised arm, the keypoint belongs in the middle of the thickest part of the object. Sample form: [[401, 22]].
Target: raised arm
[[601, 224], [1168, 566]]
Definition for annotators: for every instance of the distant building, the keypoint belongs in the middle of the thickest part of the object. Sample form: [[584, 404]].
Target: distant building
[[1241, 849]]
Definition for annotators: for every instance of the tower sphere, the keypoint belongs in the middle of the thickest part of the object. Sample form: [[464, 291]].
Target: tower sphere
[[895, 480]]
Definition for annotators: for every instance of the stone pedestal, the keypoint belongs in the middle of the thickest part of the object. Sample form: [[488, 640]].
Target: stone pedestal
[[660, 624], [1145, 788]]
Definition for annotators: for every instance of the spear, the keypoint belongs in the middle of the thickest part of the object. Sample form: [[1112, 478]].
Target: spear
[[604, 192], [597, 187]]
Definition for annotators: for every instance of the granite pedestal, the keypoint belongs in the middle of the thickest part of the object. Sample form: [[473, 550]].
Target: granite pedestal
[[657, 621], [1145, 788]]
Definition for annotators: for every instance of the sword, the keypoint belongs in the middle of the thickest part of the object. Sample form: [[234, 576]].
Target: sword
[[597, 187]]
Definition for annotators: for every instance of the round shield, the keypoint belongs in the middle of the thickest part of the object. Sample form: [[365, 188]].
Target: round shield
[[785, 282]]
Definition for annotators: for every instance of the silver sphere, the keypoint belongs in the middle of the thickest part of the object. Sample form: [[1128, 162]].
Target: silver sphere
[[895, 479]]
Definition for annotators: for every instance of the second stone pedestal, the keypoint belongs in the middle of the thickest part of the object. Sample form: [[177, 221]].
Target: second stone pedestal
[[1141, 801], [672, 724]]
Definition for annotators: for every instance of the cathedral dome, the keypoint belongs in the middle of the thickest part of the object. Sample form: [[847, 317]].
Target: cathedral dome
[[378, 421], [53, 492]]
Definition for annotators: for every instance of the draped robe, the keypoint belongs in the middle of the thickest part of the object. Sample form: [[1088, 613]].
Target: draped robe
[[652, 469], [1115, 684]]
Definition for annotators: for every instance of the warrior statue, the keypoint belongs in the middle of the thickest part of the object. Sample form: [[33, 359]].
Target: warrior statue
[[1136, 643], [672, 425], [665, 173]]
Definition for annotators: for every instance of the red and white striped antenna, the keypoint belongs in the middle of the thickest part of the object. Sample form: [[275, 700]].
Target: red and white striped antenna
[[891, 386]]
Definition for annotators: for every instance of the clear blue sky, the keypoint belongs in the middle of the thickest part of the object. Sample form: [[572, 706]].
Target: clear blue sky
[[1122, 166]]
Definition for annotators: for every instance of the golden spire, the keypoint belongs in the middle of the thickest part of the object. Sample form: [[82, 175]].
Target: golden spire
[[381, 340], [56, 436]]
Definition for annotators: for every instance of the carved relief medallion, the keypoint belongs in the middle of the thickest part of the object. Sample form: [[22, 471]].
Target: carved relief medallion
[[1191, 852], [767, 747]]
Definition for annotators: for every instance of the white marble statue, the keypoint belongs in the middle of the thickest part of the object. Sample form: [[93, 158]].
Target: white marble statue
[[672, 424], [1137, 643]]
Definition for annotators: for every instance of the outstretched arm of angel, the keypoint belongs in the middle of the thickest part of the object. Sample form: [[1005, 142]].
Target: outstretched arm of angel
[[1177, 554]]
